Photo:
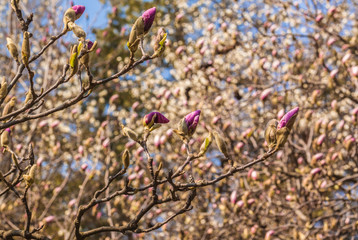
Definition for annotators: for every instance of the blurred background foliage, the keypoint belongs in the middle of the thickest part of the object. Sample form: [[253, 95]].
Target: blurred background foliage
[[220, 57]]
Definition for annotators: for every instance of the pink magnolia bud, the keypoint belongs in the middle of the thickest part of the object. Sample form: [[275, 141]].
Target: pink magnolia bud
[[84, 166], [239, 145], [200, 43], [233, 197], [332, 10], [179, 50], [79, 9], [269, 234], [289, 198], [191, 121], [240, 203], [132, 176], [330, 41], [317, 157], [104, 124], [43, 123], [354, 71], [49, 219], [346, 57], [167, 95], [218, 100], [55, 123], [98, 51], [276, 64], [249, 173], [323, 184], [210, 27], [315, 171], [39, 161], [157, 141], [18, 147], [169, 133], [321, 138], [57, 190], [224, 26], [355, 111], [177, 91], [148, 18], [72, 202], [183, 148], [162, 140], [113, 98], [106, 143], [288, 119], [279, 154], [333, 73], [280, 114], [130, 144], [80, 150], [179, 16], [300, 160], [319, 17], [154, 117], [254, 175], [254, 228], [114, 10], [215, 119], [251, 201], [334, 104]]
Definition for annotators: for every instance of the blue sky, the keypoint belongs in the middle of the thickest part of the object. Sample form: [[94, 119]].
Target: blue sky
[[97, 13]]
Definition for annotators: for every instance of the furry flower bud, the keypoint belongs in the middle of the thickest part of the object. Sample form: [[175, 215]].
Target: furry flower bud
[[12, 48], [140, 28], [25, 49], [206, 144], [125, 158], [30, 177], [72, 14], [270, 133], [130, 133], [3, 88], [220, 142], [5, 136]]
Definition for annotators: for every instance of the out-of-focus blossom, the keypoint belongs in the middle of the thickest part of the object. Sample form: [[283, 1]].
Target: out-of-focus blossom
[[315, 171]]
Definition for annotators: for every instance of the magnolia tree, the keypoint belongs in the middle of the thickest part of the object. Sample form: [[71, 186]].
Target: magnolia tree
[[199, 120]]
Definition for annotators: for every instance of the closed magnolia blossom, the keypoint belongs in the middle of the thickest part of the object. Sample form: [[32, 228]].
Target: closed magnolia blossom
[[192, 120], [72, 14], [288, 119], [154, 117], [141, 28]]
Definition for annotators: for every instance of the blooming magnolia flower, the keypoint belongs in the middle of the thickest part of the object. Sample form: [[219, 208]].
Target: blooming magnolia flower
[[154, 117], [288, 119]]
